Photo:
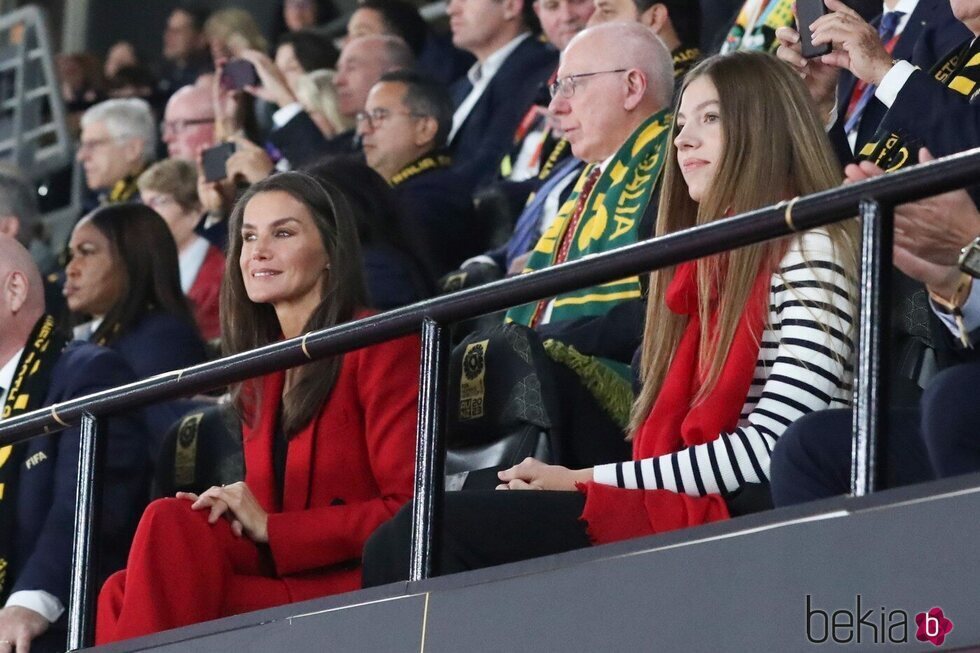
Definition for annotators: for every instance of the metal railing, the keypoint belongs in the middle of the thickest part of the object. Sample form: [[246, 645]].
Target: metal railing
[[876, 198]]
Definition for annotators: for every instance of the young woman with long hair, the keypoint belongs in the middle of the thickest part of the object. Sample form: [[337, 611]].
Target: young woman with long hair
[[736, 346], [328, 445]]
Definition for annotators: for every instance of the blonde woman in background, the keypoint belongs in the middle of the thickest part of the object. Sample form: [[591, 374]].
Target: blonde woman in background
[[318, 95]]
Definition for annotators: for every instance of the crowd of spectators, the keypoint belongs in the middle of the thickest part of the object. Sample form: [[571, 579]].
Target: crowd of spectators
[[238, 192]]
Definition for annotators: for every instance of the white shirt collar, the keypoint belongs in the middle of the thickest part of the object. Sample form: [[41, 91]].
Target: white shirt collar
[[605, 164], [191, 260], [7, 376], [488, 68], [906, 7]]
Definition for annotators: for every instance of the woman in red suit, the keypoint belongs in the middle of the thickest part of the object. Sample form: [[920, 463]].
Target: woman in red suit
[[328, 446]]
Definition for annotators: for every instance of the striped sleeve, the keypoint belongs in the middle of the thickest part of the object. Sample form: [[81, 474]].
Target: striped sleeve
[[804, 365]]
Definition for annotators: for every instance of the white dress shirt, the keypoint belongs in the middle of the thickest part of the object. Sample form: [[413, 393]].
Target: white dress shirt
[[480, 75]]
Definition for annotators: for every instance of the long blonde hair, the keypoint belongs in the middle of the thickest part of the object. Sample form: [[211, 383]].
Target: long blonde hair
[[774, 147]]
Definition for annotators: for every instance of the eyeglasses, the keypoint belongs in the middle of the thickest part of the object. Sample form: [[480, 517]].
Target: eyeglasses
[[566, 85], [177, 126], [155, 202], [375, 117], [88, 146]]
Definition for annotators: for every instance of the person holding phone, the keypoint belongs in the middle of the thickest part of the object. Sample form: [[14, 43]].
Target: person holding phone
[[918, 31]]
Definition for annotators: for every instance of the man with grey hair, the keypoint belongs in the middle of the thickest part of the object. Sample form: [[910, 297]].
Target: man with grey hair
[[611, 98], [118, 141]]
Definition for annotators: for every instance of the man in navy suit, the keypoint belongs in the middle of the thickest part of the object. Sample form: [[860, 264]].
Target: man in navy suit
[[925, 30], [403, 128], [915, 31], [41, 474], [510, 73]]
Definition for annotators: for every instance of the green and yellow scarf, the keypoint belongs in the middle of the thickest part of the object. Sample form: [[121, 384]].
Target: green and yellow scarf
[[756, 25], [610, 220], [26, 393]]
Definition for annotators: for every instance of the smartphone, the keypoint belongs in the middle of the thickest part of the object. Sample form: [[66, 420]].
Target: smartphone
[[237, 74], [808, 11], [213, 161]]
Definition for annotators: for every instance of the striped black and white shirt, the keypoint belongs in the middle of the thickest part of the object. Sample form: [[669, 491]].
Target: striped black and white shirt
[[804, 365]]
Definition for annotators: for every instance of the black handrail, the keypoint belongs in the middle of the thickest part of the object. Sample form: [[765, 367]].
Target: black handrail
[[783, 219], [916, 182]]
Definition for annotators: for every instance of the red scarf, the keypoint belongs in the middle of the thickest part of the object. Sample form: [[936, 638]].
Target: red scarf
[[673, 424]]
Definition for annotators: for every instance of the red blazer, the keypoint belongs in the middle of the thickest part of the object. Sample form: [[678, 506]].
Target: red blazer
[[205, 293], [349, 471]]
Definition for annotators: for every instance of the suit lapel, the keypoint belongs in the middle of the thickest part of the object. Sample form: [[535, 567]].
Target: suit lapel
[[299, 468], [258, 443], [917, 22]]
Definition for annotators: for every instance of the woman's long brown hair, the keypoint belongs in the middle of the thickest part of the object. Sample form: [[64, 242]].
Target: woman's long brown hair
[[775, 147], [246, 325]]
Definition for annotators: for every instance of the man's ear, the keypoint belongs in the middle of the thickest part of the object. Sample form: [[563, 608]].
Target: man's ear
[[133, 147], [9, 225], [513, 8], [654, 17], [15, 289], [425, 130], [636, 88]]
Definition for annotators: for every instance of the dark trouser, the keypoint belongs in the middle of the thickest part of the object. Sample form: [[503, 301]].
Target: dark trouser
[[589, 437], [482, 529], [951, 420], [812, 459]]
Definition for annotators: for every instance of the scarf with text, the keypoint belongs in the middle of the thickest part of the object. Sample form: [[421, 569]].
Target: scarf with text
[[26, 393], [428, 162], [610, 219], [675, 422], [960, 72]]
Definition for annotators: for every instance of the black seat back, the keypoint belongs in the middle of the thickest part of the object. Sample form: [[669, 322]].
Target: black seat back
[[501, 401], [201, 450]]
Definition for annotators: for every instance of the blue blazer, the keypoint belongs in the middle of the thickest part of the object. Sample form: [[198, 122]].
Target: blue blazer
[[438, 217], [488, 131], [931, 32], [158, 343], [48, 473]]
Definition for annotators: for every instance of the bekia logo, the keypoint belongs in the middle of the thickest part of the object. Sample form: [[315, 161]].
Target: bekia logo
[[873, 625], [933, 626]]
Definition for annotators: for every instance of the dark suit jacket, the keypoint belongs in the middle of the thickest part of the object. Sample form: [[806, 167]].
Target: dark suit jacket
[[488, 131], [158, 343], [439, 216], [301, 142], [46, 484], [930, 33], [934, 116]]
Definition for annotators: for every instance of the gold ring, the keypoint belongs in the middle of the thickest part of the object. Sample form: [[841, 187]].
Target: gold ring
[[54, 414], [302, 345], [788, 214]]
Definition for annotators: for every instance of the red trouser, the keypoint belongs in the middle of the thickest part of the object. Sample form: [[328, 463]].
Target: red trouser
[[183, 570]]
